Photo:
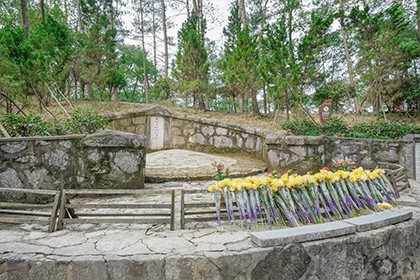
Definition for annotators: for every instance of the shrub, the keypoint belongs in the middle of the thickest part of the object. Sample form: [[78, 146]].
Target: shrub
[[81, 121], [338, 127], [302, 127], [382, 130], [334, 127]]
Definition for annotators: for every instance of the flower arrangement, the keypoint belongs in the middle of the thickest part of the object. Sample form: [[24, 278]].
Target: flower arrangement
[[295, 200], [218, 170], [345, 164]]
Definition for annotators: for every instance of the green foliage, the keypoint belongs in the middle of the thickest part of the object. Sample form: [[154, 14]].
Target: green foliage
[[191, 62], [382, 130], [81, 122], [302, 126], [338, 127], [85, 121]]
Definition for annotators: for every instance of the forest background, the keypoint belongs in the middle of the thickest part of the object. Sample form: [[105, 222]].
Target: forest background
[[272, 56]]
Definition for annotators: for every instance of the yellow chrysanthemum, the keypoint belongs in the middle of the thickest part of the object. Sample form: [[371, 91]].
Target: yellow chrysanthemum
[[384, 206]]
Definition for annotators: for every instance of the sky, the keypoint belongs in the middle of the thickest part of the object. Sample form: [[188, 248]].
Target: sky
[[216, 14]]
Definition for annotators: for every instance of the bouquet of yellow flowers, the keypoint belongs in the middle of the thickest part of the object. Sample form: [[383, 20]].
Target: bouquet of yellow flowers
[[302, 199]]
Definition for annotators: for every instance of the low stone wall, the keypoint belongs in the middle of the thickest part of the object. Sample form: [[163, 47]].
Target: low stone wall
[[166, 130], [109, 159], [391, 252]]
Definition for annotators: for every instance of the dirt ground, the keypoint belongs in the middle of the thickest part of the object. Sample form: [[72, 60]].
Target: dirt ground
[[269, 122]]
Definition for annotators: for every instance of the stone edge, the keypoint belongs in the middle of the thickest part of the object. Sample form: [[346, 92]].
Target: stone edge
[[321, 231]]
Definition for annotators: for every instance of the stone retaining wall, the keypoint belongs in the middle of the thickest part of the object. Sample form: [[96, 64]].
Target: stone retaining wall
[[108, 159], [177, 130], [391, 252]]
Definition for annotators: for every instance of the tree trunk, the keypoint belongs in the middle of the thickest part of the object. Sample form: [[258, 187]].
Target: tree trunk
[[154, 37], [242, 12], [145, 80], [79, 16], [347, 51], [165, 38], [24, 17], [418, 19], [241, 103], [254, 103], [42, 6], [188, 8]]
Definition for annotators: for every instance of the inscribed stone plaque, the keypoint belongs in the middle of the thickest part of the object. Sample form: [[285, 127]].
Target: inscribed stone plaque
[[157, 133]]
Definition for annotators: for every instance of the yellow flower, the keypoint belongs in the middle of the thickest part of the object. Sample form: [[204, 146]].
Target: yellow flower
[[212, 188], [384, 206]]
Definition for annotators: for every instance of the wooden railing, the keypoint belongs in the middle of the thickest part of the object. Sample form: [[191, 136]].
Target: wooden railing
[[29, 210], [112, 212], [397, 175]]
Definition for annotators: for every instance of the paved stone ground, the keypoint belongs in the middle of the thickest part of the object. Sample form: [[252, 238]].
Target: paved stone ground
[[85, 244], [184, 165]]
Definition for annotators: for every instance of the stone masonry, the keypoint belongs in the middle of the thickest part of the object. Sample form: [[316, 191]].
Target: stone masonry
[[300, 153], [106, 159]]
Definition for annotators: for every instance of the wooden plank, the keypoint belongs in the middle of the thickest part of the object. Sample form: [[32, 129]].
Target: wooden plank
[[198, 205], [119, 206], [120, 192], [13, 219], [123, 214], [195, 191], [25, 212], [198, 212], [54, 211], [183, 209], [7, 205], [62, 211], [201, 219], [46, 192], [117, 221]]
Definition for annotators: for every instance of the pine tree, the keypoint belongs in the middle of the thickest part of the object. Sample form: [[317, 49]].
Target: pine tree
[[191, 61]]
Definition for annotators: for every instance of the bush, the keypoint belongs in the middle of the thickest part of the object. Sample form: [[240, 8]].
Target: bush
[[81, 121], [382, 130], [338, 127], [334, 126], [302, 127]]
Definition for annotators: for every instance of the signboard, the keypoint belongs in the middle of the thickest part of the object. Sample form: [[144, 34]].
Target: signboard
[[325, 110]]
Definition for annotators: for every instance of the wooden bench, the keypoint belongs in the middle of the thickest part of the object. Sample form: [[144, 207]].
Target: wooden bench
[[397, 175], [74, 212], [201, 211], [29, 210]]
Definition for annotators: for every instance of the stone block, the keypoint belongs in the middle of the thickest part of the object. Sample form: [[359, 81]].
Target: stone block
[[380, 219], [14, 147], [249, 144], [221, 131], [301, 234]]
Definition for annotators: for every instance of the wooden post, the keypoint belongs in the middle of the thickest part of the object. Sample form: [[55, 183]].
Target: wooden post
[[182, 209]]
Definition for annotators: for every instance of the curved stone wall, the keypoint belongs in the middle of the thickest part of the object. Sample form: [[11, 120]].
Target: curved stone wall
[[166, 130], [109, 159], [391, 252]]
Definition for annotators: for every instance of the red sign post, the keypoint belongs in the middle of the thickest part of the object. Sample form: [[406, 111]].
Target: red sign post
[[325, 110]]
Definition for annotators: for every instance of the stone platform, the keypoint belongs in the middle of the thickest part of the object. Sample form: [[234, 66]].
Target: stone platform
[[184, 165], [206, 252]]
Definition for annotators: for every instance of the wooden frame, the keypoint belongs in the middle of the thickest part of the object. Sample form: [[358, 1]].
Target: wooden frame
[[397, 174], [27, 212], [200, 211], [69, 213]]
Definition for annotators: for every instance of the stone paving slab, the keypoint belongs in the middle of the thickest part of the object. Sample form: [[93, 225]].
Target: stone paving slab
[[301, 234], [380, 219]]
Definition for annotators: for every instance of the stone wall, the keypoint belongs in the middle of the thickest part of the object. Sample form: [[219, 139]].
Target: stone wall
[[301, 153], [391, 252], [108, 159], [185, 131]]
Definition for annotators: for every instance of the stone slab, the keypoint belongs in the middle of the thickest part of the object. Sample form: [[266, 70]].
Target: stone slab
[[301, 234], [380, 219]]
